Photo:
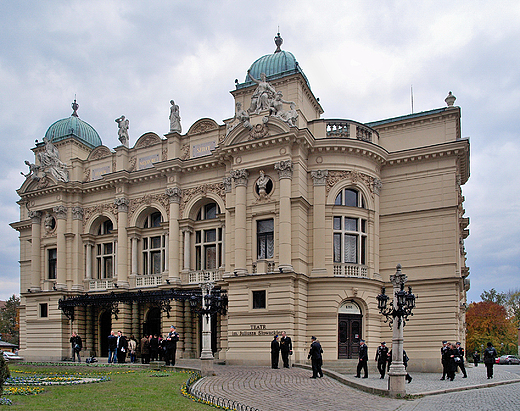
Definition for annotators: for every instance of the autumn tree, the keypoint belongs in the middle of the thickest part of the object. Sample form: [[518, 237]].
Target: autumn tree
[[9, 320], [488, 321]]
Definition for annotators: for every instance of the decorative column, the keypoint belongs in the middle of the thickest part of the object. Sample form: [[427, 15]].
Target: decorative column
[[134, 240], [319, 178], [228, 188], [285, 170], [174, 258], [135, 321], [240, 177], [187, 250], [61, 265], [374, 234], [77, 219], [206, 355], [88, 260], [122, 242], [36, 218]]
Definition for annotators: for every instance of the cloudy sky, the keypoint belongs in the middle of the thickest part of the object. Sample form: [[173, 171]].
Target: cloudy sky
[[361, 58]]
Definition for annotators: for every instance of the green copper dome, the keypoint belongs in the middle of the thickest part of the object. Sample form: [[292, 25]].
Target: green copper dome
[[277, 65], [74, 127]]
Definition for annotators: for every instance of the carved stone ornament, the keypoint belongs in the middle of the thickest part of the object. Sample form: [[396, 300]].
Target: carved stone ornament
[[319, 177], [123, 125], [174, 194], [100, 209], [284, 168], [241, 117], [50, 163], [77, 213], [49, 222], [259, 131], [203, 126], [148, 140], [122, 204], [185, 152], [240, 177], [60, 211], [35, 216], [354, 176], [227, 181], [377, 185], [100, 152], [202, 191], [148, 200]]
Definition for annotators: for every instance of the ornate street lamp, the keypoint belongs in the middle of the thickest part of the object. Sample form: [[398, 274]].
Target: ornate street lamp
[[400, 308]]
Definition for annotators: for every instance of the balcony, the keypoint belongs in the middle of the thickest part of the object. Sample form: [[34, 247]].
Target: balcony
[[201, 276], [148, 281], [346, 129], [99, 285], [350, 270]]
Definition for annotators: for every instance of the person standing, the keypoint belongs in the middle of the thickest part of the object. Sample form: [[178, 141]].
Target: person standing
[[315, 355], [154, 347], [145, 350], [285, 349], [444, 359], [112, 348], [405, 363], [460, 362], [476, 358], [451, 353], [170, 346], [75, 341], [489, 359], [381, 358], [122, 347], [363, 360], [132, 346], [275, 352]]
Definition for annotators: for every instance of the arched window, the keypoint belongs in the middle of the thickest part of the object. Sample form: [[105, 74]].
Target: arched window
[[350, 239], [153, 244], [350, 198], [208, 238], [105, 250]]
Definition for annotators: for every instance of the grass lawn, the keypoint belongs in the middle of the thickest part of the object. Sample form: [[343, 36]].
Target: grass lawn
[[128, 389]]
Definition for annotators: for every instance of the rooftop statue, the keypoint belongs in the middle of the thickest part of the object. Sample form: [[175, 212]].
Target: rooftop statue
[[49, 163], [263, 95], [175, 118], [123, 125], [241, 116]]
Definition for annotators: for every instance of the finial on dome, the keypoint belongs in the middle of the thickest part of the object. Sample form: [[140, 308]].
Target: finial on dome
[[75, 107], [278, 41]]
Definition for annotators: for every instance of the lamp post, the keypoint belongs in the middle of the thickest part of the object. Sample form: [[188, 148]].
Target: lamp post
[[206, 356], [396, 314]]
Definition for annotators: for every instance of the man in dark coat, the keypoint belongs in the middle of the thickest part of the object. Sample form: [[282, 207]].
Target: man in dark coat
[[285, 348], [490, 353], [444, 359], [363, 360], [460, 363], [112, 348], [275, 352], [170, 345], [122, 347], [145, 350], [382, 358], [154, 347], [77, 345], [316, 358]]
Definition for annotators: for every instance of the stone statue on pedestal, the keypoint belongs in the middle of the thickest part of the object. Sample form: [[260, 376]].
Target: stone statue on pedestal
[[123, 125], [175, 118]]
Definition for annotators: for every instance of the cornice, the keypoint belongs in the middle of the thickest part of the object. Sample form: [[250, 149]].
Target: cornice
[[350, 146]]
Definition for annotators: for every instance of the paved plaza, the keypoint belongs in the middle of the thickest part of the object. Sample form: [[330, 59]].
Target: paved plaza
[[292, 389]]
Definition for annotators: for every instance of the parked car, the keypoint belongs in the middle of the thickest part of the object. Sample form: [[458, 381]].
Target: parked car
[[11, 356], [508, 359]]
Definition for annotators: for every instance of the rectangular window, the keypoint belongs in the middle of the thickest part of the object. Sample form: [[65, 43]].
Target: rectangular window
[[44, 313], [52, 255], [337, 247], [265, 239], [105, 260], [153, 255], [259, 299], [350, 248]]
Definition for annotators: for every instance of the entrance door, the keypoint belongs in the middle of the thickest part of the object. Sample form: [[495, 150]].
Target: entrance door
[[349, 334], [152, 325], [105, 326]]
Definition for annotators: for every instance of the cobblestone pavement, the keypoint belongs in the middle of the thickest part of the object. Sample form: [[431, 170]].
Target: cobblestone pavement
[[292, 389]]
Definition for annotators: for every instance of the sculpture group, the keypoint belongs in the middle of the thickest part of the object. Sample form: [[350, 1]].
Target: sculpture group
[[49, 163]]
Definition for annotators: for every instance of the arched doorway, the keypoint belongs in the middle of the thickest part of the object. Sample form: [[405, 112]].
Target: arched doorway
[[105, 326], [152, 324], [349, 329]]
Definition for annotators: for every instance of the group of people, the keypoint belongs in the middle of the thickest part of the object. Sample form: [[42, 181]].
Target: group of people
[[452, 358], [283, 346], [154, 347], [151, 347]]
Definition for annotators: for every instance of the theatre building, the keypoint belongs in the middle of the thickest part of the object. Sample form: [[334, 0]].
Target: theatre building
[[297, 220]]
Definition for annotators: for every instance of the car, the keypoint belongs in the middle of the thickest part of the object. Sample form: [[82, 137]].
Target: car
[[11, 356], [509, 359]]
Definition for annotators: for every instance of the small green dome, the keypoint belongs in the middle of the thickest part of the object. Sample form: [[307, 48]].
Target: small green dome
[[277, 65], [74, 127]]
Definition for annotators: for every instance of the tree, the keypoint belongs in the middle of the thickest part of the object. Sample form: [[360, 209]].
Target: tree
[[488, 321], [494, 297], [9, 320]]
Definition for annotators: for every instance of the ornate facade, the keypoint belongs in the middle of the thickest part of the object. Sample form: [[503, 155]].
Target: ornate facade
[[300, 220]]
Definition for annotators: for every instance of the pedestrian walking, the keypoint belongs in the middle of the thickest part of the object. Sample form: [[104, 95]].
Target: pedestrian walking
[[405, 362], [275, 352], [489, 359], [285, 349], [476, 358], [382, 358], [459, 360], [315, 355], [363, 360]]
